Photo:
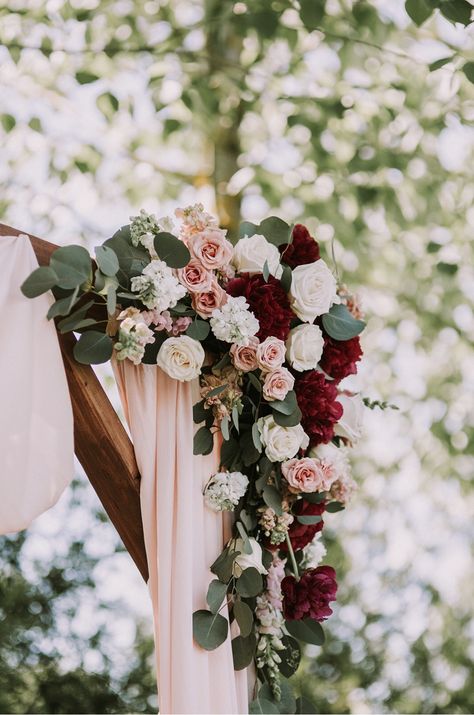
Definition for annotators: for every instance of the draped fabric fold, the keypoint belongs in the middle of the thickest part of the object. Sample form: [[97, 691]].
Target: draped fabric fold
[[182, 539], [36, 423]]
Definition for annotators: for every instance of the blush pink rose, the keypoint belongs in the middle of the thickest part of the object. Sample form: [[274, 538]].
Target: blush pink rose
[[277, 384], [195, 277], [211, 248], [244, 357], [271, 353], [205, 303], [306, 475]]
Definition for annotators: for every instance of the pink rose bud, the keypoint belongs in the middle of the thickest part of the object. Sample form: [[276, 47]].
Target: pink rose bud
[[277, 384], [271, 354]]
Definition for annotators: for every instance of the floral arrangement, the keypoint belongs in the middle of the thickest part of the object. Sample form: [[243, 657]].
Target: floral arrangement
[[280, 336]]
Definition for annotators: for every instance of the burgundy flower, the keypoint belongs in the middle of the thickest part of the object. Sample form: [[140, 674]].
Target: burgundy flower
[[303, 248], [301, 534], [267, 301], [310, 596], [317, 401], [340, 356]]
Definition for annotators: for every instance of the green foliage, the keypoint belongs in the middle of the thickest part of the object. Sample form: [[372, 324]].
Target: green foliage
[[340, 324], [209, 630]]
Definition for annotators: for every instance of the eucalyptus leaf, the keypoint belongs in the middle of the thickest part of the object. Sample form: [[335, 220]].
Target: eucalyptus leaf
[[111, 299], [305, 706], [286, 279], [223, 565], [63, 306], [198, 329], [200, 412], [107, 260], [249, 583], [203, 441], [339, 324], [216, 594], [290, 656], [93, 348], [244, 617], [287, 406], [275, 230], [243, 651], [255, 381], [41, 280], [209, 630], [247, 547], [308, 631], [272, 498], [261, 705], [266, 271], [309, 519], [287, 702], [171, 250], [288, 420], [72, 320], [256, 437], [72, 265], [225, 428], [334, 507]]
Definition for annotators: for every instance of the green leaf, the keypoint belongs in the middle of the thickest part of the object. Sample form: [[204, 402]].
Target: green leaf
[[256, 437], [272, 498], [93, 348], [171, 250], [457, 11], [437, 64], [203, 441], [449, 269], [287, 406], [235, 417], [340, 324], [63, 306], [223, 565], [72, 320], [216, 391], [216, 594], [108, 104], [72, 265], [250, 454], [244, 617], [243, 651], [290, 656], [334, 507], [308, 631], [261, 705], [209, 630], [247, 547], [275, 230], [198, 329], [266, 271], [288, 420], [200, 412], [255, 381], [8, 122], [418, 10], [315, 497], [111, 299], [305, 706], [309, 519], [84, 77], [40, 281], [247, 229], [311, 13], [125, 251], [287, 702], [107, 260], [286, 279], [250, 583], [468, 69], [225, 428]]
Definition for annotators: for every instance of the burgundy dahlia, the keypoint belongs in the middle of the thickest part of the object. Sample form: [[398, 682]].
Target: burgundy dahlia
[[301, 534], [340, 357], [303, 248], [310, 596], [317, 400], [267, 301]]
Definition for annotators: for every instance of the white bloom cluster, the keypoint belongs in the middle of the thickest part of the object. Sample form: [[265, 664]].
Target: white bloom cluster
[[133, 336], [224, 489], [157, 287], [313, 553], [234, 322], [145, 226]]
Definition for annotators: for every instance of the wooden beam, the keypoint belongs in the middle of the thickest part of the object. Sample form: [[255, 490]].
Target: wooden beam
[[101, 442]]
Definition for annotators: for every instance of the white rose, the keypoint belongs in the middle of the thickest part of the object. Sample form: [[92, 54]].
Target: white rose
[[313, 290], [304, 347], [281, 443], [251, 252], [351, 423], [181, 358], [247, 561]]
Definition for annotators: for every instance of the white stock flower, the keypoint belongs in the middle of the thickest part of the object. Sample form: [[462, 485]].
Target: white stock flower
[[351, 423], [313, 290], [251, 252], [224, 489], [246, 561], [181, 358], [234, 322], [157, 287], [304, 347], [133, 336], [281, 443]]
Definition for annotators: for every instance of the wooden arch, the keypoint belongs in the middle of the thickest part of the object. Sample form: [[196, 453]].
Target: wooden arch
[[100, 440]]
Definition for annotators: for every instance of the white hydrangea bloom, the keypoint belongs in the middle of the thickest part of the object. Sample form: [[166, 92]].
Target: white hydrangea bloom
[[313, 553], [224, 490], [234, 322], [157, 287], [133, 336]]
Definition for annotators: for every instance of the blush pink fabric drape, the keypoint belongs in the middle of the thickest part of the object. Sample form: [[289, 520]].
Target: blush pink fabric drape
[[36, 424], [182, 539]]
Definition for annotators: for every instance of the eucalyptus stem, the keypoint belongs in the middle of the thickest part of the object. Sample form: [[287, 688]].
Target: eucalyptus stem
[[292, 557]]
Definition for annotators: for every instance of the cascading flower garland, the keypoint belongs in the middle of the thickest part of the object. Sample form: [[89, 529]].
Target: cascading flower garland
[[281, 335]]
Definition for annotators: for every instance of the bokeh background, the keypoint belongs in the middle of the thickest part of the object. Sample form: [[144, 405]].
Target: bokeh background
[[334, 113]]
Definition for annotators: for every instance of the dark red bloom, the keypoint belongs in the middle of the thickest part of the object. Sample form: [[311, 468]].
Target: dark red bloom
[[310, 596], [317, 400], [340, 357], [301, 534], [303, 248], [267, 301]]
